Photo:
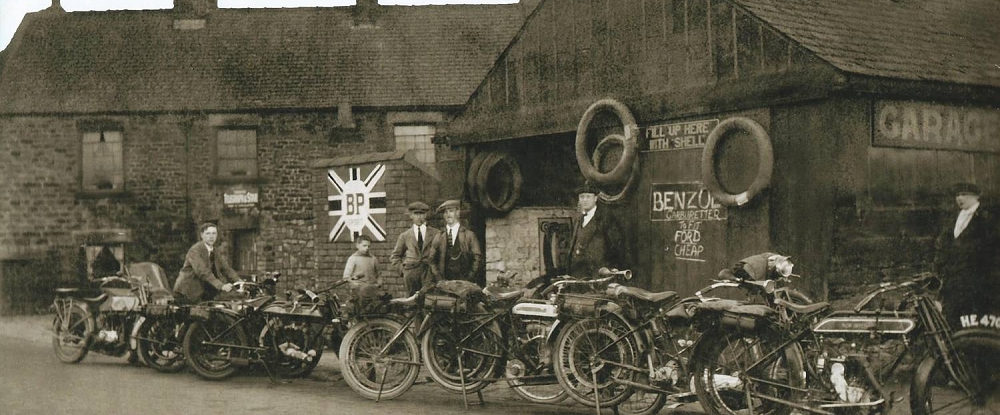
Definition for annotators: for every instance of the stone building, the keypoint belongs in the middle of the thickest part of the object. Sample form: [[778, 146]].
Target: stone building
[[828, 130], [121, 130]]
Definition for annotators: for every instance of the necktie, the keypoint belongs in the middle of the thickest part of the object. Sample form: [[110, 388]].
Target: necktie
[[211, 259], [450, 241], [420, 239]]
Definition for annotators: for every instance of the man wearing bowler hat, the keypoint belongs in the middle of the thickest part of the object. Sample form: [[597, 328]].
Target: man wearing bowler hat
[[414, 253], [597, 239], [459, 256], [966, 259]]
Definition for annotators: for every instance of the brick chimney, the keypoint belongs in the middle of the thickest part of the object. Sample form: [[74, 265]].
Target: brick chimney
[[195, 7], [56, 6], [366, 14]]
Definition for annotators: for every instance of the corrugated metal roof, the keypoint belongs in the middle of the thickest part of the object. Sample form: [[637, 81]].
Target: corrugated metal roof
[[935, 40], [123, 61]]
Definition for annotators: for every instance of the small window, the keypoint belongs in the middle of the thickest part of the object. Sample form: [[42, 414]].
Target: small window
[[237, 153], [245, 251], [417, 138], [104, 260], [102, 161]]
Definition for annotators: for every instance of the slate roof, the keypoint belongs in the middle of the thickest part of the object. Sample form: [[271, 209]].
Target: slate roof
[[954, 41], [123, 61]]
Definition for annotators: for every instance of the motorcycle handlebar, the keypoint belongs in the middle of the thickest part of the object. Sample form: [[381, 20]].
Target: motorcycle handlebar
[[606, 272], [925, 281]]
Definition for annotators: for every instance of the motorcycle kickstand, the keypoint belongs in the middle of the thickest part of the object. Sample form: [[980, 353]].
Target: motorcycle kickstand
[[597, 394], [385, 371], [270, 374], [461, 377]]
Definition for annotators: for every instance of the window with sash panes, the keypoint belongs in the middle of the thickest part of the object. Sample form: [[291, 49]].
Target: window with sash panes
[[103, 168], [237, 153], [417, 138]]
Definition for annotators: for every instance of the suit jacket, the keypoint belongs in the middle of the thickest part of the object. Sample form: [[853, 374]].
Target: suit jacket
[[599, 244], [969, 261], [197, 272], [408, 258], [466, 251]]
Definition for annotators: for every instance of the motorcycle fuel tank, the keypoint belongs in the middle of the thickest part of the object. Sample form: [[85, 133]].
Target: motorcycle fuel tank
[[535, 309], [865, 324]]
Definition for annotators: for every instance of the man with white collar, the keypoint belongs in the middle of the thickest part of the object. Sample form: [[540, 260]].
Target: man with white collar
[[597, 239], [459, 256], [966, 259], [413, 254]]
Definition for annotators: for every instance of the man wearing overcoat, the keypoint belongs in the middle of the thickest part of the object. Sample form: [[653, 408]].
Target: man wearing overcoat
[[597, 237]]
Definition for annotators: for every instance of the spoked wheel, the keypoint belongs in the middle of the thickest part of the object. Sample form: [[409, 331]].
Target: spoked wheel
[[300, 338], [535, 380], [642, 402], [722, 381], [72, 330], [161, 345], [596, 348], [374, 367], [208, 346], [446, 356], [975, 388]]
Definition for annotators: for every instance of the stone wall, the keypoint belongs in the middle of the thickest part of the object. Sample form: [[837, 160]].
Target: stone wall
[[512, 242]]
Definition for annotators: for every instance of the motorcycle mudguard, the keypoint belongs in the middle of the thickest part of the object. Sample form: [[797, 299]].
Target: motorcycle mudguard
[[133, 344], [616, 309], [425, 325], [554, 331]]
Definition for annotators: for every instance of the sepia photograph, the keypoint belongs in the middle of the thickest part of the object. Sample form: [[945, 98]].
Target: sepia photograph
[[628, 207]]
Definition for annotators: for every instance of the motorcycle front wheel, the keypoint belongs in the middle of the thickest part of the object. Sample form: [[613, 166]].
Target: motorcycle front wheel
[[213, 361], [299, 339], [72, 330], [375, 365], [722, 381], [592, 357], [161, 345], [974, 388]]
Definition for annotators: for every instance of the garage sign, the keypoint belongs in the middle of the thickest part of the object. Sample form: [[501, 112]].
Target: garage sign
[[356, 203]]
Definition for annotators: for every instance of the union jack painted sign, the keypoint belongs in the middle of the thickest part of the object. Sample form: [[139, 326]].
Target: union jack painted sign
[[355, 201]]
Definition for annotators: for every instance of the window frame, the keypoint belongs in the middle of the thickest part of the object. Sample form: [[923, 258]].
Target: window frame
[[90, 190], [217, 176], [419, 152]]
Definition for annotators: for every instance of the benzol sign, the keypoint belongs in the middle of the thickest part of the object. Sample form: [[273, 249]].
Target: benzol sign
[[684, 202], [926, 125]]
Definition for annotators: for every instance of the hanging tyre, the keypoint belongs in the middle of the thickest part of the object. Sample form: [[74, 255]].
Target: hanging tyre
[[471, 180], [498, 182], [614, 193], [765, 168], [624, 169]]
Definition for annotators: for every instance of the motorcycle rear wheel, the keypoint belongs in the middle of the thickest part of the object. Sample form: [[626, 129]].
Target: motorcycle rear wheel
[[534, 345], [287, 366], [161, 346], [71, 340], [934, 391], [481, 355], [213, 362], [371, 373]]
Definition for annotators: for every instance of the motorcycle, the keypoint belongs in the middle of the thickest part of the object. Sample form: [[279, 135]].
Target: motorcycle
[[102, 317], [158, 335], [287, 337], [828, 362]]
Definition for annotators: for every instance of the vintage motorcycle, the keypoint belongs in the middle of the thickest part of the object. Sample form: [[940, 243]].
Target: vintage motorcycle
[[763, 362], [102, 318], [287, 337], [158, 335]]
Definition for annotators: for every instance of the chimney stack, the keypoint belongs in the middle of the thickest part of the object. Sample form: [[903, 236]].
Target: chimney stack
[[56, 6], [195, 7]]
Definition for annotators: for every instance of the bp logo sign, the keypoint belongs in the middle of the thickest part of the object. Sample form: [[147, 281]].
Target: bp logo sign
[[356, 203]]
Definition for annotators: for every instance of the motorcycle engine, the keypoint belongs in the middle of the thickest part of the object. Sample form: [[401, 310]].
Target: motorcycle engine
[[840, 363]]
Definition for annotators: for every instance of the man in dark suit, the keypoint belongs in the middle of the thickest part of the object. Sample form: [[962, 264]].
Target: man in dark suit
[[413, 254], [966, 259], [459, 256], [597, 237], [205, 271]]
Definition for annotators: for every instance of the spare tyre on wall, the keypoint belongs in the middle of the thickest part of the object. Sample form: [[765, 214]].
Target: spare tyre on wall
[[495, 181], [611, 148], [621, 172], [710, 160]]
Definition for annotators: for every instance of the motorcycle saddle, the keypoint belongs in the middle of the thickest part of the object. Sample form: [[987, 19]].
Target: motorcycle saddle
[[651, 297], [502, 296], [801, 309]]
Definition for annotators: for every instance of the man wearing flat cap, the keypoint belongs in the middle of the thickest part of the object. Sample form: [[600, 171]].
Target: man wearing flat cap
[[597, 239], [414, 253], [459, 256], [966, 259]]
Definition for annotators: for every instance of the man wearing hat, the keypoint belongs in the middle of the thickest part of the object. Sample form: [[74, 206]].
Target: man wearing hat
[[414, 253], [966, 259], [458, 254], [597, 239]]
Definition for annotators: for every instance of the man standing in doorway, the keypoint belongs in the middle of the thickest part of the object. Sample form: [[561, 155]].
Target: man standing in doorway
[[458, 251], [597, 239], [414, 253], [966, 258]]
